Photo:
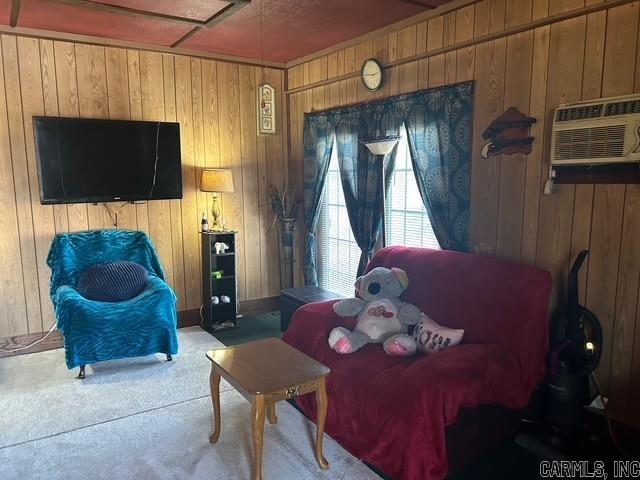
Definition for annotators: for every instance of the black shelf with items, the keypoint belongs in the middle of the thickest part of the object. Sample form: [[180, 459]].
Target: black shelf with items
[[219, 284]]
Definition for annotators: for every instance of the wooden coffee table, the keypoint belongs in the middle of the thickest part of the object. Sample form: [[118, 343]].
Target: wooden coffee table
[[265, 372]]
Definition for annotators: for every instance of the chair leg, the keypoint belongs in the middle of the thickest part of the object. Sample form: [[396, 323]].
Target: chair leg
[[81, 372], [169, 358]]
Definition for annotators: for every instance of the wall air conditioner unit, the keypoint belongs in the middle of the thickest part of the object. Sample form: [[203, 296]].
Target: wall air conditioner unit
[[591, 133]]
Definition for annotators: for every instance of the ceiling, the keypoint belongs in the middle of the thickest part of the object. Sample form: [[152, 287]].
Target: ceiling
[[290, 28]]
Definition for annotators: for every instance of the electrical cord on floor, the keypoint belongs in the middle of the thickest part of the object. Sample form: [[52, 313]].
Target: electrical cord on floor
[[31, 344], [608, 418]]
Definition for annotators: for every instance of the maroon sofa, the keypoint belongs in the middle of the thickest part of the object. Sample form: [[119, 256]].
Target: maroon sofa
[[412, 418]]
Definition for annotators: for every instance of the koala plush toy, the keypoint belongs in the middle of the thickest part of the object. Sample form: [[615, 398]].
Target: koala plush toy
[[381, 316]]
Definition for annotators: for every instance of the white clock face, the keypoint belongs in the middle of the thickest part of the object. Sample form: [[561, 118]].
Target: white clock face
[[371, 74]]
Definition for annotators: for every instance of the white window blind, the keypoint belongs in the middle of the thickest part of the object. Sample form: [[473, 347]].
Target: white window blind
[[338, 252], [406, 219], [406, 222]]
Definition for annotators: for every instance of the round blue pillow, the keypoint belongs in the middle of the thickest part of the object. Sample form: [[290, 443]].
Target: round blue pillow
[[113, 281]]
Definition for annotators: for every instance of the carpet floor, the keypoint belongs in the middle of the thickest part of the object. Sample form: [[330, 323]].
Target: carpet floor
[[145, 418]]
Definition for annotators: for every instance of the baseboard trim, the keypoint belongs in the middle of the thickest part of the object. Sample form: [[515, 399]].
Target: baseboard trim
[[186, 318], [191, 318], [260, 305], [53, 341]]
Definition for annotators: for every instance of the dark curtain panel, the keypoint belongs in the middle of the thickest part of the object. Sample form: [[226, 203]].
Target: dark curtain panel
[[438, 124], [318, 144], [361, 171]]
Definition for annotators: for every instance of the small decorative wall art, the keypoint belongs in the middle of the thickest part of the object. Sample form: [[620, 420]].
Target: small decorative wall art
[[266, 110], [508, 134]]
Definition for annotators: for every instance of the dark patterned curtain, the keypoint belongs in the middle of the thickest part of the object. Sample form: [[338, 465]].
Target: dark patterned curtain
[[438, 124], [318, 143], [361, 172]]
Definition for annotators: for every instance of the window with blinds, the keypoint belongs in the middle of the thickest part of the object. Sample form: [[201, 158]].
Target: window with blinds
[[407, 222], [338, 252]]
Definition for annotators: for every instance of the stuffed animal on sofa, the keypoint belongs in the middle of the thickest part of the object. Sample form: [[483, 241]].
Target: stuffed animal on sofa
[[381, 316]]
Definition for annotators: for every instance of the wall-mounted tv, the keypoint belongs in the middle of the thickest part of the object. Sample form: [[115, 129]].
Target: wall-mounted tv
[[95, 160]]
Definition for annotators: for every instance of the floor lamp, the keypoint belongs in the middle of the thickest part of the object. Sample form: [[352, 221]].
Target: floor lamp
[[380, 148]]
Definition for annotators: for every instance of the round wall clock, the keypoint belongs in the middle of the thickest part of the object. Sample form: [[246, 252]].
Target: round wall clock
[[371, 74]]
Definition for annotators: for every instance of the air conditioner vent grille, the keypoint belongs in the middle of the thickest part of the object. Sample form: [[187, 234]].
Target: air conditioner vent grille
[[579, 113], [622, 108], [590, 143]]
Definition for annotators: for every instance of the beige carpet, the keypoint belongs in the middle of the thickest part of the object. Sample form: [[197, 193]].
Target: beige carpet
[[145, 419]]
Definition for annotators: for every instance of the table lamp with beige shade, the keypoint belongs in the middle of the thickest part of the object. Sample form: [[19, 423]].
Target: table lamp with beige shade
[[216, 181]]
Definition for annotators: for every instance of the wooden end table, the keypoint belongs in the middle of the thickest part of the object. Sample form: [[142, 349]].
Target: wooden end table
[[265, 372]]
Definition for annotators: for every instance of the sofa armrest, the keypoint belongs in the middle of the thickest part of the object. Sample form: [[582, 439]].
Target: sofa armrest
[[311, 324]]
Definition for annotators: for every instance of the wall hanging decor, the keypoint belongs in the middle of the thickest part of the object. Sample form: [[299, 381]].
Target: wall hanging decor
[[508, 134], [266, 110]]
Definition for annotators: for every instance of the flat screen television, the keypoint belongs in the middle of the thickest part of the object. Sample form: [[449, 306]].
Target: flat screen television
[[94, 160]]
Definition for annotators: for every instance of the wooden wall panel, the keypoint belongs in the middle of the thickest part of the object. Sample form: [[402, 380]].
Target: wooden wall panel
[[13, 309], [190, 212], [50, 97], [249, 169], [513, 168], [272, 170], [606, 265], [152, 94], [21, 183], [633, 413], [92, 101], [586, 57], [56, 78], [43, 218], [175, 206], [119, 109], [135, 105], [67, 82], [534, 165], [566, 59], [231, 157]]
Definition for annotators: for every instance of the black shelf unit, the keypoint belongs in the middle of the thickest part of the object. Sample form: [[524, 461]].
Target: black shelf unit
[[220, 316]]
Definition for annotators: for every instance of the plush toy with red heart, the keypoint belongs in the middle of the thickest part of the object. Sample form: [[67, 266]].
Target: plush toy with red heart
[[381, 316]]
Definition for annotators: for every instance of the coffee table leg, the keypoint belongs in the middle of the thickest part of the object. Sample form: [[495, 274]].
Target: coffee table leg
[[271, 413], [257, 427], [322, 403], [214, 382]]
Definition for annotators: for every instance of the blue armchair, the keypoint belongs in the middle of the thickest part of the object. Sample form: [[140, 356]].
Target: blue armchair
[[94, 331]]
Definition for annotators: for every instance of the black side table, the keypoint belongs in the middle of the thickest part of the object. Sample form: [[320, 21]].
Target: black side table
[[293, 298], [219, 282]]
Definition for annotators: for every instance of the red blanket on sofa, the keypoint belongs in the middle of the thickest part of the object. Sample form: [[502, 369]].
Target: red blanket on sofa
[[392, 412]]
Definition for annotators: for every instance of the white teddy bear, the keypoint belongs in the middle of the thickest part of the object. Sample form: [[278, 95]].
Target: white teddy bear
[[382, 316]]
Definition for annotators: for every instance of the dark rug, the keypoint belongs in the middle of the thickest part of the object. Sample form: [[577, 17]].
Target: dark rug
[[251, 328]]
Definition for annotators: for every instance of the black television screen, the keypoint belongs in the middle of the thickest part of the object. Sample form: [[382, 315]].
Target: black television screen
[[94, 160]]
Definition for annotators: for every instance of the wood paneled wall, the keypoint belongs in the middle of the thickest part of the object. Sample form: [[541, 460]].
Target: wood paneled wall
[[582, 58], [215, 103]]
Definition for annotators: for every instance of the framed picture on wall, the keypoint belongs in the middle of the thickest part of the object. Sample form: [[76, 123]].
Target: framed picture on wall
[[266, 110]]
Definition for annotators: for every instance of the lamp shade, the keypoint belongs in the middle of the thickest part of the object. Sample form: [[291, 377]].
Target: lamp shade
[[218, 180], [381, 146]]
